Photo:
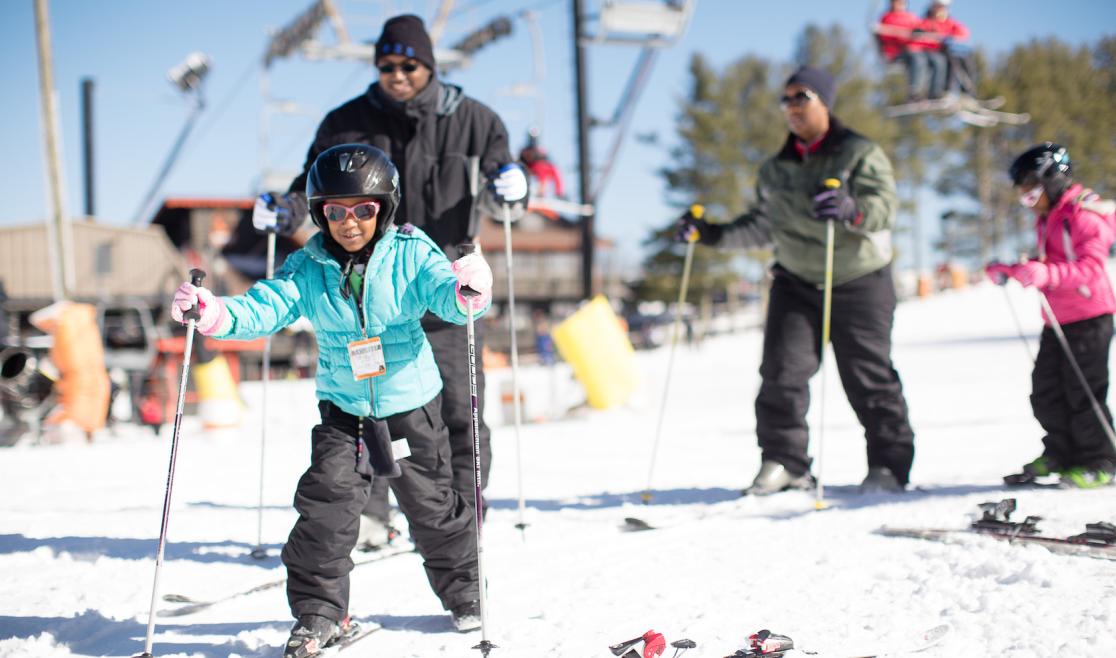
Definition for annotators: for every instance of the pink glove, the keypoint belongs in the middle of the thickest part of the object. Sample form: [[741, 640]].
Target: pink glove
[[214, 318], [1031, 273], [998, 273], [473, 271]]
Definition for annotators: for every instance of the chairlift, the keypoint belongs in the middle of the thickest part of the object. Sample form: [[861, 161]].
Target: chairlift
[[651, 24], [982, 113]]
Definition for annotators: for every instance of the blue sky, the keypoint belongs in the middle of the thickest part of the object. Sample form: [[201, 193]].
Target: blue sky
[[128, 45]]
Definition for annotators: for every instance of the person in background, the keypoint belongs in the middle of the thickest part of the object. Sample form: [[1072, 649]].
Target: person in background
[[792, 208], [1074, 229], [943, 35], [898, 37]]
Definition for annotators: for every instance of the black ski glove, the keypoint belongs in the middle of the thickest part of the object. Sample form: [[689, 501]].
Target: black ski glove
[[692, 228]]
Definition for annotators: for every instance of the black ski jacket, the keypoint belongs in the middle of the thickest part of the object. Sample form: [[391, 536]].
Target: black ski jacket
[[430, 139]]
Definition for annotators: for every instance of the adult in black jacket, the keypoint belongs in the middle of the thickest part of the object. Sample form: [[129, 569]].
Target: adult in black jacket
[[432, 131]]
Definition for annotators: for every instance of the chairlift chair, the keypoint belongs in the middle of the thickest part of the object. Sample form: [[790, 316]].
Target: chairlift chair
[[983, 113], [644, 22]]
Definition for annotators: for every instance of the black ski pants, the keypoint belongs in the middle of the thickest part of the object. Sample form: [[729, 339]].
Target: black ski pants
[[1074, 435], [333, 491], [451, 352], [860, 331]]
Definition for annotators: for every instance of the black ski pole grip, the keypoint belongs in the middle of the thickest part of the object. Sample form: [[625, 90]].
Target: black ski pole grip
[[196, 278], [466, 248]]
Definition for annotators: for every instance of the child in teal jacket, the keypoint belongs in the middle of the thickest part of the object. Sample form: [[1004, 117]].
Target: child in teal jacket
[[364, 284]]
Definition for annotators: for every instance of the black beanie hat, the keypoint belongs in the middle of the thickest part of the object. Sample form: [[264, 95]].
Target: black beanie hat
[[818, 80], [406, 35]]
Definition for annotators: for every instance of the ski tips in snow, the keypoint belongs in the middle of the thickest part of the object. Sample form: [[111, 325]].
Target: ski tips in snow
[[633, 524], [654, 645], [766, 644]]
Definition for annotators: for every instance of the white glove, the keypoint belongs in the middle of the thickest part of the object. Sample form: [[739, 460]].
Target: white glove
[[510, 184]]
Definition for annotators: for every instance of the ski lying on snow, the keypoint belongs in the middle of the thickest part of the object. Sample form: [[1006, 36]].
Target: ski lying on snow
[[195, 605], [1061, 545], [766, 644], [1098, 540], [363, 630]]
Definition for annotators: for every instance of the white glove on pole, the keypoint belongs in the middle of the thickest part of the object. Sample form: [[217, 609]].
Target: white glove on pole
[[510, 184], [265, 217]]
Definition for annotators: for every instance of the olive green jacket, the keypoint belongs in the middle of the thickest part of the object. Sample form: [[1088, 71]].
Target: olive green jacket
[[783, 213]]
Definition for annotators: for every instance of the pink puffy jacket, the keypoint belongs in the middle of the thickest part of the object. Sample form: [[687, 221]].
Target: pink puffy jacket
[[1073, 241]]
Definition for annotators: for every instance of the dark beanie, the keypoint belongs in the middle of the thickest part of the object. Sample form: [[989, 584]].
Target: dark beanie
[[405, 35], [818, 80]]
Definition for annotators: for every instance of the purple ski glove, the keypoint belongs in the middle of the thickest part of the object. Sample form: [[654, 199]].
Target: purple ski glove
[[837, 205]]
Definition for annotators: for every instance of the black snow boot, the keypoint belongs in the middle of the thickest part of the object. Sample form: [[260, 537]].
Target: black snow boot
[[466, 617], [773, 477], [311, 634], [880, 479]]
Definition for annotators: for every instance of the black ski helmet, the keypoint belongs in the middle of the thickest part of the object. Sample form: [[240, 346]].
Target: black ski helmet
[[1048, 164], [353, 170]]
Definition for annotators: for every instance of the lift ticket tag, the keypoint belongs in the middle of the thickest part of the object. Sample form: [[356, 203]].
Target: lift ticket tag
[[367, 358]]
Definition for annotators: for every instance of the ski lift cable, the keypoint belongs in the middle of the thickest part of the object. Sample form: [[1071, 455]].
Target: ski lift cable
[[226, 102]]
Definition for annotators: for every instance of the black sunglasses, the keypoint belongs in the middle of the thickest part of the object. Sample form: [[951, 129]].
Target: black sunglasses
[[406, 67], [798, 100]]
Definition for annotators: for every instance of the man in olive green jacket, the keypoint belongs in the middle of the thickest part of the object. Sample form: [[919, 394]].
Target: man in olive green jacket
[[793, 205]]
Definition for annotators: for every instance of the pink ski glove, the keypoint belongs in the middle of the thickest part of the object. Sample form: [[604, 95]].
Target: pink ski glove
[[473, 271], [1031, 273], [998, 273], [214, 318]]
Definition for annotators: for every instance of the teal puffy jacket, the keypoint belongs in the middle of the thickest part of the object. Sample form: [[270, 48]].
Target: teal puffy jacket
[[407, 275]]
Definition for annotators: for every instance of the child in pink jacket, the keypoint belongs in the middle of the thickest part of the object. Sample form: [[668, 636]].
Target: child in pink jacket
[[1075, 231]]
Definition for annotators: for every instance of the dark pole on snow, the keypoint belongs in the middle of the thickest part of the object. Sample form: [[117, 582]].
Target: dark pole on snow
[[584, 163]]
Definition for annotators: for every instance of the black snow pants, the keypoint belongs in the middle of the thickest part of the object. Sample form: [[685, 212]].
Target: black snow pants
[[860, 330], [333, 491], [1074, 436], [451, 352]]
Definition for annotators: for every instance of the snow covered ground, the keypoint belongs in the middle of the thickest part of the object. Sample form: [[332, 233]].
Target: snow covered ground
[[78, 524]]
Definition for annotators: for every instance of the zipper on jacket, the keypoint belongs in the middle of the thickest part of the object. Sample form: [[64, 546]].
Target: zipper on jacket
[[358, 303]]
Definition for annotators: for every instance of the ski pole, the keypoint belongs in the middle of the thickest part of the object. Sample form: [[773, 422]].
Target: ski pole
[[696, 211], [1057, 327], [259, 552], [191, 316], [516, 404], [478, 508], [827, 311]]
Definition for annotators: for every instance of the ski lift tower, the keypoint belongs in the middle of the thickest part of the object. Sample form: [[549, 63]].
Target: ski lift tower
[[650, 25]]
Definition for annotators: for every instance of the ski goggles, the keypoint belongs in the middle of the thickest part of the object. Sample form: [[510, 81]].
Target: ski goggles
[[362, 212], [1031, 197], [797, 100], [406, 67]]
